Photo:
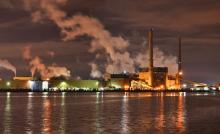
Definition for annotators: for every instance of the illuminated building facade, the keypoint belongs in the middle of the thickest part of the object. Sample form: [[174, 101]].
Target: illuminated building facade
[[159, 75], [121, 81], [65, 85]]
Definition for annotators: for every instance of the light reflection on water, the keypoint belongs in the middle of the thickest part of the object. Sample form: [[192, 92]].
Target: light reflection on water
[[46, 116], [30, 111], [109, 113], [63, 114], [160, 121], [7, 115], [180, 123], [125, 115], [97, 114]]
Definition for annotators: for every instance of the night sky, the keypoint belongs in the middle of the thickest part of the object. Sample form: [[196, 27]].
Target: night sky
[[197, 21]]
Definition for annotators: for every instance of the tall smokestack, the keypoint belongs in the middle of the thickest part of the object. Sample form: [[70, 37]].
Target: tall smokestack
[[180, 56], [151, 62], [179, 75]]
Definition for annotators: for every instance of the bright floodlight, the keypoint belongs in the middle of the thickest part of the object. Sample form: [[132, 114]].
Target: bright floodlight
[[8, 83]]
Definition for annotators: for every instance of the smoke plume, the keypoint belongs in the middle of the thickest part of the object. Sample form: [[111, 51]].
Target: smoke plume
[[7, 65], [118, 58], [160, 60], [78, 25], [36, 65], [95, 73]]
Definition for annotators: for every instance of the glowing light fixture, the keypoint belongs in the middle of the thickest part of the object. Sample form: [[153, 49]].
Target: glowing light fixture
[[8, 84], [45, 85], [184, 86], [126, 87], [63, 85]]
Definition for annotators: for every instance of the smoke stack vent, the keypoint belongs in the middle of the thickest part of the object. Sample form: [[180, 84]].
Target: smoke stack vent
[[179, 75], [180, 56], [151, 62]]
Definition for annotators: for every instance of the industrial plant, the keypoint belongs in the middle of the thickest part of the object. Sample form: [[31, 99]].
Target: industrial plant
[[149, 78]]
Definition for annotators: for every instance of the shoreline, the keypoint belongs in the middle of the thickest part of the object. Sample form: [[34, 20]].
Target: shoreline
[[116, 91]]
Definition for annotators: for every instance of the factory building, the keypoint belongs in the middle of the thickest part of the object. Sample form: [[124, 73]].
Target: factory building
[[68, 85], [141, 80], [14, 84], [172, 82], [24, 84], [37, 85], [121, 81], [159, 74], [151, 77], [158, 77]]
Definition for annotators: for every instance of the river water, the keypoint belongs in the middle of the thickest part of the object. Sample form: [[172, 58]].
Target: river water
[[88, 113]]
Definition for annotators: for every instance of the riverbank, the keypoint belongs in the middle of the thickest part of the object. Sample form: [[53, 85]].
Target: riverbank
[[95, 90]]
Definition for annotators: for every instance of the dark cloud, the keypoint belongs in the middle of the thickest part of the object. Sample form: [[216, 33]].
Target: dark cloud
[[197, 21]]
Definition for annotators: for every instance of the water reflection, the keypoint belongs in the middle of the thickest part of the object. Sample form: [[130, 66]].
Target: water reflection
[[7, 115], [125, 114], [63, 114], [99, 100], [29, 120], [45, 94], [160, 121], [46, 116], [180, 123], [170, 112], [107, 112]]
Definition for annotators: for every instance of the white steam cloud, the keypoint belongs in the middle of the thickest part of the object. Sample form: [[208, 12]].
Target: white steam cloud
[[118, 58], [46, 72], [160, 60], [7, 65], [95, 73]]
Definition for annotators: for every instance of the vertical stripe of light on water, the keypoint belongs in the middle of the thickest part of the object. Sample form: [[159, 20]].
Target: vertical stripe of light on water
[[125, 112], [180, 119], [62, 126], [29, 110], [7, 115], [160, 119], [46, 116], [99, 100]]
